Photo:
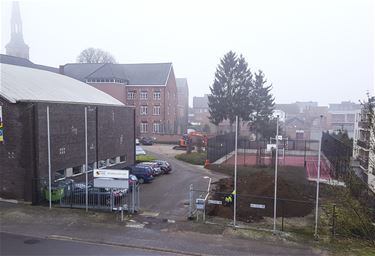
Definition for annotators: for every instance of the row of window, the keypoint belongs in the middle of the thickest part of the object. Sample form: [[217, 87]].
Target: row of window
[[102, 80], [77, 170], [156, 127], [144, 110], [143, 95]]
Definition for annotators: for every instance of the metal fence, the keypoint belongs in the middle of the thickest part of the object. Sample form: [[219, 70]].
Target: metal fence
[[293, 152], [255, 211]]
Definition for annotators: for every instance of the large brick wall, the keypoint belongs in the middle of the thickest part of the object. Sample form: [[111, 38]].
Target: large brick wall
[[24, 154]]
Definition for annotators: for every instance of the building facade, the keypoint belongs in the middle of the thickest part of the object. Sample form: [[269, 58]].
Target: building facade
[[342, 116], [182, 105], [150, 88], [362, 153], [26, 95]]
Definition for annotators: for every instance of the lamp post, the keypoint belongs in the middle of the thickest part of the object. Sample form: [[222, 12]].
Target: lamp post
[[235, 176], [318, 181], [205, 199], [276, 162]]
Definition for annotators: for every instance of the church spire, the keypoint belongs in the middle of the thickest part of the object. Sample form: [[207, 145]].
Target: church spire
[[16, 46]]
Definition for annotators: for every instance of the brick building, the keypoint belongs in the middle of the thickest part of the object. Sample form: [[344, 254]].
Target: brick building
[[182, 105], [25, 94], [151, 88]]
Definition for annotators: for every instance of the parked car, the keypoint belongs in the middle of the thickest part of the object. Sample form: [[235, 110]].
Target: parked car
[[139, 151], [147, 141], [155, 167], [164, 166], [137, 142], [143, 173]]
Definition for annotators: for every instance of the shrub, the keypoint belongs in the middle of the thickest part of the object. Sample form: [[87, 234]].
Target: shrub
[[193, 158]]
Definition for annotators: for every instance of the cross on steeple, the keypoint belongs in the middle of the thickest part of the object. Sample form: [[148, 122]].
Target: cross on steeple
[[16, 46]]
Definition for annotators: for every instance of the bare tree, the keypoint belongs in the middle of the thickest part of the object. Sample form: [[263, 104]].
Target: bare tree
[[95, 55]]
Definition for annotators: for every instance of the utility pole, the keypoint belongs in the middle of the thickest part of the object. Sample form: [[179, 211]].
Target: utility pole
[[235, 176], [276, 162], [318, 181]]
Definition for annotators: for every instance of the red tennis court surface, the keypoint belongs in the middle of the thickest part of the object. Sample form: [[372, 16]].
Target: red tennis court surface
[[298, 161]]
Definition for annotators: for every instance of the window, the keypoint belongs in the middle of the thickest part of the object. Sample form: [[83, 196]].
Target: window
[[156, 127], [123, 158], [131, 95], [77, 170], [60, 174], [143, 95], [157, 96], [143, 110], [144, 127], [156, 111]]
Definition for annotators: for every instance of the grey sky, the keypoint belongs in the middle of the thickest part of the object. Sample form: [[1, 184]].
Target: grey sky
[[315, 50]]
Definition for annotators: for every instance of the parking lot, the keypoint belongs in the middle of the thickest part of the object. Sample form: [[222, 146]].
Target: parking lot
[[166, 195]]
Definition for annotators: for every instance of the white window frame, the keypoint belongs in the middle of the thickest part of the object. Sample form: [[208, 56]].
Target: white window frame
[[143, 95], [143, 127], [131, 95], [157, 127], [143, 110], [157, 95], [156, 111]]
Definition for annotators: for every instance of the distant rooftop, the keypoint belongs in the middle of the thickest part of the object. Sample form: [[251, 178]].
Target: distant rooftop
[[23, 84], [133, 74], [200, 102]]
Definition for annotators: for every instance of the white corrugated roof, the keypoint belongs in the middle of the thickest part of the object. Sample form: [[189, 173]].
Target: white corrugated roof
[[29, 84]]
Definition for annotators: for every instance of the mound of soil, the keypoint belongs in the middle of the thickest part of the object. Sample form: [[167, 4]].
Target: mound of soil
[[258, 188]]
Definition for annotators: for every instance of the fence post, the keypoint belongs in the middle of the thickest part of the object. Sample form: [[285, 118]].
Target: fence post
[[190, 216], [282, 215], [138, 198], [133, 198], [334, 221]]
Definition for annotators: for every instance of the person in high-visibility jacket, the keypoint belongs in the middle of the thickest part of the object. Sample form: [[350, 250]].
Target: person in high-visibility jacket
[[229, 199]]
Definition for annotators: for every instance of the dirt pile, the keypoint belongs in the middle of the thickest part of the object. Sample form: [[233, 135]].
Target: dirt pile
[[257, 190]]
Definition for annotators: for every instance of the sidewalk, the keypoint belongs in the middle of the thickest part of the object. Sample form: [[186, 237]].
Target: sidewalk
[[71, 224]]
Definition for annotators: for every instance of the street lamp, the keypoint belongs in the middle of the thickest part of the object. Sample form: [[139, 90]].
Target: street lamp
[[205, 199], [318, 181], [276, 163], [209, 183]]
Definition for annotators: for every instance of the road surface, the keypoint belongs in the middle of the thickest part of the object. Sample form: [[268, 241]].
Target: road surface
[[166, 195]]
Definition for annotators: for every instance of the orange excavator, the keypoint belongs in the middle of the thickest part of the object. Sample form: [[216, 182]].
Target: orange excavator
[[192, 139]]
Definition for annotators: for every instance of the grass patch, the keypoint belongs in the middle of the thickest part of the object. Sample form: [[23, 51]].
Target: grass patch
[[144, 158], [193, 158]]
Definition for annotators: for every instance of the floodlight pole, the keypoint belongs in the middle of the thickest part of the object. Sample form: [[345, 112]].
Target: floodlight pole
[[318, 181], [235, 176], [276, 163], [86, 163], [49, 160]]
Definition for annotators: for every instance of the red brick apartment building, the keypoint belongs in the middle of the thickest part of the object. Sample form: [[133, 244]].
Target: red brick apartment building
[[150, 88]]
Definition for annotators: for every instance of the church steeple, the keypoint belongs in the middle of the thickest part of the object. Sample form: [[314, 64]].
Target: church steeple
[[16, 46]]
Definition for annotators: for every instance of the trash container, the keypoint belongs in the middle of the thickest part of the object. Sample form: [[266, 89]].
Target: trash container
[[56, 193]]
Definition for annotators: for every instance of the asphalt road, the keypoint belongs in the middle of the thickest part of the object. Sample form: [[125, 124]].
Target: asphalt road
[[166, 195], [26, 245]]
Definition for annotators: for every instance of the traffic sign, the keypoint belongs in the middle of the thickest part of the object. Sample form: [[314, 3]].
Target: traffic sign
[[215, 202], [259, 206]]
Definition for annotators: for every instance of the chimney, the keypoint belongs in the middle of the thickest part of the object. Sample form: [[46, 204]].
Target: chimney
[[61, 69]]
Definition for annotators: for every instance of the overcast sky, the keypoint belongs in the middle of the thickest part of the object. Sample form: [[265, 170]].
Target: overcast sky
[[318, 50]]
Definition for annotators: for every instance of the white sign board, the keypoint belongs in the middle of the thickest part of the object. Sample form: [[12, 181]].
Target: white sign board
[[111, 183], [200, 203], [280, 137], [259, 206], [215, 202], [270, 147], [113, 174]]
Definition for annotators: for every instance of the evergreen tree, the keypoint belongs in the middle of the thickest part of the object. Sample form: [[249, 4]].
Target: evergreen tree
[[262, 105], [231, 90]]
